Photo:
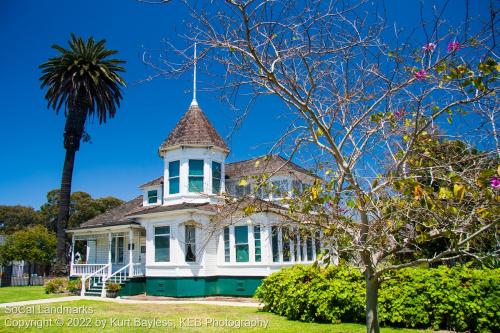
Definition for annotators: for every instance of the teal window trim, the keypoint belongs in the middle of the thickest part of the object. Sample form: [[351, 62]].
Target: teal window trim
[[216, 177], [174, 177], [258, 244], [241, 243], [227, 248], [190, 243], [275, 244], [162, 243], [195, 178], [152, 196]]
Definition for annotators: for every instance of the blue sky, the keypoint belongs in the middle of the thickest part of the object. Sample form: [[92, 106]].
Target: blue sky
[[123, 152]]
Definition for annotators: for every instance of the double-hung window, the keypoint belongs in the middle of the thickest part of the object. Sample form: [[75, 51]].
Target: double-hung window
[[227, 249], [190, 243], [173, 177], [258, 245], [162, 244], [195, 180], [216, 177], [275, 244], [241, 240], [152, 196]]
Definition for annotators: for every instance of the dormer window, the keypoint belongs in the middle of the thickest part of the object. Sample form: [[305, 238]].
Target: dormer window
[[216, 177], [195, 180], [173, 177], [152, 196]]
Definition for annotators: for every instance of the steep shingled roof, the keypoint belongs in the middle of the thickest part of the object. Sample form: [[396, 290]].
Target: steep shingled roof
[[194, 128]]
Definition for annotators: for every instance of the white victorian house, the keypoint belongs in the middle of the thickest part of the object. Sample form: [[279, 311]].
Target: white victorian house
[[184, 235]]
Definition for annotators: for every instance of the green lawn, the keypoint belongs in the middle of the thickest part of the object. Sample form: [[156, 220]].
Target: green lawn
[[17, 294], [195, 318]]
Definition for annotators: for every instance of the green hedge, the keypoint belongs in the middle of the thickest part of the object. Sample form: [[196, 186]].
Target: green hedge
[[458, 298]]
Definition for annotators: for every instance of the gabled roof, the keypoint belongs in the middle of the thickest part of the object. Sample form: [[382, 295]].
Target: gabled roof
[[194, 128], [154, 182], [265, 164], [115, 216]]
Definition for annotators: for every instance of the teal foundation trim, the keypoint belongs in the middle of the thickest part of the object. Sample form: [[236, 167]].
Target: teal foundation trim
[[134, 286], [202, 286]]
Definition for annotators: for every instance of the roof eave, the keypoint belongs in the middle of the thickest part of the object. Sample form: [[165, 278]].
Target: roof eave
[[162, 150], [173, 212]]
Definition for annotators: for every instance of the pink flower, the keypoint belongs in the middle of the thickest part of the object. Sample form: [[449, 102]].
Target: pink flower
[[453, 46], [399, 112], [421, 75], [429, 47], [495, 182]]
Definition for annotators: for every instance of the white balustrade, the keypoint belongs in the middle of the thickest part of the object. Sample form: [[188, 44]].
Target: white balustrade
[[86, 269], [138, 269]]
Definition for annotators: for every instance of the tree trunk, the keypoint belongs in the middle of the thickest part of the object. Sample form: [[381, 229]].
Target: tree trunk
[[73, 132], [372, 325], [63, 217]]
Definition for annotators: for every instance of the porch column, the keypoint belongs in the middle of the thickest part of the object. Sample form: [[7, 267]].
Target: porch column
[[72, 254], [109, 253], [130, 253]]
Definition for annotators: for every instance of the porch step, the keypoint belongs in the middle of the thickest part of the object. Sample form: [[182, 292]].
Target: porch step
[[96, 289], [93, 293]]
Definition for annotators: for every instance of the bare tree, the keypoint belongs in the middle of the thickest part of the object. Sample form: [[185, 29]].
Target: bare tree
[[366, 97]]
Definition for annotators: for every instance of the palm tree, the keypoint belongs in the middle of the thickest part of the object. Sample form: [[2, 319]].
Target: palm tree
[[86, 83]]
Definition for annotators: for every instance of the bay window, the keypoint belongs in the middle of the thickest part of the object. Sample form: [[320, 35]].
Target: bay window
[[257, 242], [190, 241], [241, 243], [275, 245], [173, 177], [309, 248], [162, 244], [216, 177], [227, 252], [285, 240], [195, 179], [317, 243]]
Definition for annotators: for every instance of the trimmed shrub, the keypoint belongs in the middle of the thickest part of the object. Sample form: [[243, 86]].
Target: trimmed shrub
[[74, 286], [55, 286], [308, 293], [458, 298]]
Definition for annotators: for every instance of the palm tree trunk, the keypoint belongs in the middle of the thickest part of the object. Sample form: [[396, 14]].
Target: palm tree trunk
[[63, 217], [73, 132]]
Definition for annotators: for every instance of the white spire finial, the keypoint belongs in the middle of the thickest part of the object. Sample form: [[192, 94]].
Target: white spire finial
[[194, 102]]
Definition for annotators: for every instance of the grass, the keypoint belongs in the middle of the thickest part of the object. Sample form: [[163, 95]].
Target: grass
[[194, 316], [17, 294]]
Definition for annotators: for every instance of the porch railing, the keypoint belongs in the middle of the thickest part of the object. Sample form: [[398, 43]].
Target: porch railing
[[138, 269], [95, 278], [86, 269]]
